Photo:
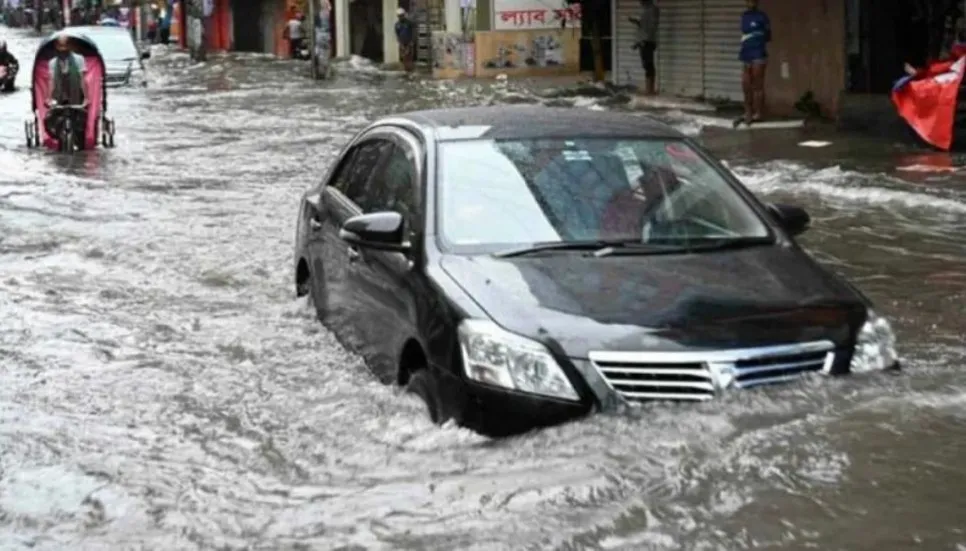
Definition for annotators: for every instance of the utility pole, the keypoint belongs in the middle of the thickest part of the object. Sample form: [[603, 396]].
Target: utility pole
[[198, 10], [38, 15]]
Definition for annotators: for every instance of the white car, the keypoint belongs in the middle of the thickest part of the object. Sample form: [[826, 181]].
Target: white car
[[123, 60]]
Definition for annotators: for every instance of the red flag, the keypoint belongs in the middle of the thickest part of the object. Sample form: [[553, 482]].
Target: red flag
[[927, 101]]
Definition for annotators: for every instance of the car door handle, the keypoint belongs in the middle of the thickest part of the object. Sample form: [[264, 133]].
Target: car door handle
[[353, 253]]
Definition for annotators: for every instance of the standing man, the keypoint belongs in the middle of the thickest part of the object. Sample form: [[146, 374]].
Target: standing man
[[647, 41], [755, 36], [164, 26], [405, 35]]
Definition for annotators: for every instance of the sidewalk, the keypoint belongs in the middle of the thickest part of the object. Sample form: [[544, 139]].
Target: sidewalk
[[718, 114]]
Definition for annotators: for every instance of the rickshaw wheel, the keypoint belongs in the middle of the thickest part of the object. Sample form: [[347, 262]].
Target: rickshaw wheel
[[26, 133], [110, 133], [67, 137]]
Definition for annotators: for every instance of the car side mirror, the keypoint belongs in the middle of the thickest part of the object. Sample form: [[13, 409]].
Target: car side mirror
[[795, 220], [146, 54], [378, 230]]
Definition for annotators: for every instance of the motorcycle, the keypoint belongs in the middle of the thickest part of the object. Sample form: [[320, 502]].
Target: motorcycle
[[8, 77]]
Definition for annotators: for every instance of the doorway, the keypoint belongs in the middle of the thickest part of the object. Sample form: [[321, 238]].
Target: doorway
[[883, 35], [365, 29], [601, 17], [246, 18]]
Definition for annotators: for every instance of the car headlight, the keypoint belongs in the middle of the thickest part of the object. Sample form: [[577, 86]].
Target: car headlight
[[497, 357], [875, 346]]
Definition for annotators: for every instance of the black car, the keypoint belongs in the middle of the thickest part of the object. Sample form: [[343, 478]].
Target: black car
[[522, 266]]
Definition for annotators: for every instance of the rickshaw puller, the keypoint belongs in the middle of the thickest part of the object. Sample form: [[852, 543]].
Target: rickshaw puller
[[67, 88]]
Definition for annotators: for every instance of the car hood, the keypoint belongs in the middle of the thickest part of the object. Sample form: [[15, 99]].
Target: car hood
[[749, 297], [115, 67]]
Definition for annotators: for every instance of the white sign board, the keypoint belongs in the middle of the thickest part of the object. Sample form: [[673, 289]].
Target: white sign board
[[523, 15]]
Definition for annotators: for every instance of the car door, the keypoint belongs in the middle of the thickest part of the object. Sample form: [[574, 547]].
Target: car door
[[382, 281], [332, 257]]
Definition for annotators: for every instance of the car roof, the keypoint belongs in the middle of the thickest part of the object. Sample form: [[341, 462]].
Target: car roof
[[98, 29], [533, 121]]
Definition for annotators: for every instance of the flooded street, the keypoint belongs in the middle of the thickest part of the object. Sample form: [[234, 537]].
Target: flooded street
[[161, 388]]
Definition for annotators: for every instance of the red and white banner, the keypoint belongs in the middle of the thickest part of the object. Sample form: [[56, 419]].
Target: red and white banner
[[524, 15]]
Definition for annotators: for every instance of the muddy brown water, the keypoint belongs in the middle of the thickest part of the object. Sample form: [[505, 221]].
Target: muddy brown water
[[160, 388]]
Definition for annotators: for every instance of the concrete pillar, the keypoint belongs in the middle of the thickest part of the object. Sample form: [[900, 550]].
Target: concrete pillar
[[341, 27], [453, 16], [390, 46]]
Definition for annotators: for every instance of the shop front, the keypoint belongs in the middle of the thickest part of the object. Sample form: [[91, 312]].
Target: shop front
[[524, 38], [697, 52], [366, 28], [254, 26]]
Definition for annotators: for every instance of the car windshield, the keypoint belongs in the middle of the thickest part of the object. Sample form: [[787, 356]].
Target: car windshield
[[115, 46], [495, 194]]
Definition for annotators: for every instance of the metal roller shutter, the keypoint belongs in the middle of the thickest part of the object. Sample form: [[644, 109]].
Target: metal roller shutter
[[722, 37], [627, 64], [680, 71]]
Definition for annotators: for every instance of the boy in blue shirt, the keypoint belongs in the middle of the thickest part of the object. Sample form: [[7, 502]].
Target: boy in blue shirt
[[755, 35]]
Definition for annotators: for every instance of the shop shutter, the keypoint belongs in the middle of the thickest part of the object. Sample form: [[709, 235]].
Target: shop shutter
[[679, 49], [722, 38], [627, 60]]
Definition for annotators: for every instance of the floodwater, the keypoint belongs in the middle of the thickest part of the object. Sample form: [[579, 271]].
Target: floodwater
[[161, 388]]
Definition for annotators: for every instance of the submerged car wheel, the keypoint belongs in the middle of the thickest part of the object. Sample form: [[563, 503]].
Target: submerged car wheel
[[421, 383], [317, 297]]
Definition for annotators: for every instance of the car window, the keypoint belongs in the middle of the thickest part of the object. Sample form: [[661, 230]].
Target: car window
[[340, 180], [115, 46], [364, 164], [393, 185], [553, 190]]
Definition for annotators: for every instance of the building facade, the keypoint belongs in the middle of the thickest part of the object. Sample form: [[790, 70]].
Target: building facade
[[366, 28], [512, 37], [697, 53]]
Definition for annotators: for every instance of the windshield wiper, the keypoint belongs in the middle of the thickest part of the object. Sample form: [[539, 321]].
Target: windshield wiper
[[719, 243], [687, 246], [599, 246]]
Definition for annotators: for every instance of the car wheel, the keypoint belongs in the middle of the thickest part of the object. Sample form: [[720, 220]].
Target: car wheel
[[317, 296], [423, 384]]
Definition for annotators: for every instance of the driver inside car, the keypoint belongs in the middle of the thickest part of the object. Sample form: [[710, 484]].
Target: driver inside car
[[67, 87], [625, 213]]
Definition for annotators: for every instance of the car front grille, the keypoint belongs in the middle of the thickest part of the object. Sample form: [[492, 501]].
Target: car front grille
[[701, 375], [116, 80]]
